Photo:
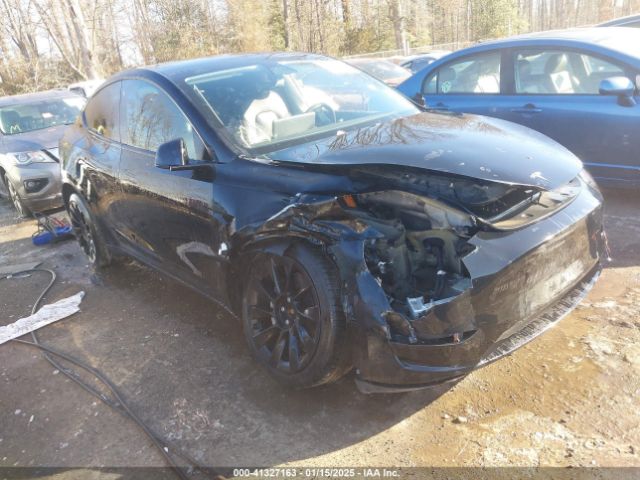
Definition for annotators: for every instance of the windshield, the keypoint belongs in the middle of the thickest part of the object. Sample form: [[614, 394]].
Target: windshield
[[26, 117], [384, 70], [274, 104]]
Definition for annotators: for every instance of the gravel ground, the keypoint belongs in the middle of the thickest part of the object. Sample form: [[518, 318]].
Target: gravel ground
[[569, 398]]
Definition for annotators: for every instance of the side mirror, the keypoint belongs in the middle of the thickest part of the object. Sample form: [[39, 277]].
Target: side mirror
[[418, 98], [172, 154], [621, 87]]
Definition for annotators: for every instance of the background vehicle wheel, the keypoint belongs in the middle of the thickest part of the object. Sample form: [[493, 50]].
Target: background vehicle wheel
[[15, 199], [292, 318], [86, 232]]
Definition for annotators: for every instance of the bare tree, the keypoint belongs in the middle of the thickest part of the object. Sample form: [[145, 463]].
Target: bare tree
[[396, 14], [285, 20], [45, 43]]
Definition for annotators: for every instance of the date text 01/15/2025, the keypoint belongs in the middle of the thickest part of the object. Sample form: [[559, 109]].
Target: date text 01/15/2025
[[275, 472]]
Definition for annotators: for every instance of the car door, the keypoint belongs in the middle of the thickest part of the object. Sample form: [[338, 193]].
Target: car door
[[470, 84], [98, 155], [556, 91], [170, 221]]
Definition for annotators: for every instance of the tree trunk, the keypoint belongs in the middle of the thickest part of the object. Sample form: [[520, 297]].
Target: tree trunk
[[346, 12], [82, 39], [285, 19], [397, 18]]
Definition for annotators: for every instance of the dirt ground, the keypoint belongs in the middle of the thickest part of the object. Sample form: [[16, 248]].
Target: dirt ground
[[569, 398]]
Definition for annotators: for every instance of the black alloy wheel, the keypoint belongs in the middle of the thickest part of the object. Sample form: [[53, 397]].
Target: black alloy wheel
[[82, 230], [284, 314], [86, 232], [292, 319]]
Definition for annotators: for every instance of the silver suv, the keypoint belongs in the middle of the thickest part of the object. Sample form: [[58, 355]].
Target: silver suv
[[31, 126]]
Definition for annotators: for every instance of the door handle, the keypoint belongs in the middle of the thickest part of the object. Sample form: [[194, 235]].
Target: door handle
[[528, 108]]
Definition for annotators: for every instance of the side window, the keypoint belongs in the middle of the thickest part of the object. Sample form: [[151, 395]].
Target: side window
[[561, 72], [595, 65], [430, 86], [479, 74], [150, 118], [101, 112]]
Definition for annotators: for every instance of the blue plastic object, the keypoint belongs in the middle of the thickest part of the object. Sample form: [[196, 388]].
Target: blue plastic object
[[46, 236]]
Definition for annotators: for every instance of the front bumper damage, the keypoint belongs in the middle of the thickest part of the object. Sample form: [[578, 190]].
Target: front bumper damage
[[504, 287], [429, 375], [523, 281]]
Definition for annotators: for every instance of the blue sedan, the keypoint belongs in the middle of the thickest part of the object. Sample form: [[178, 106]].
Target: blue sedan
[[579, 87]]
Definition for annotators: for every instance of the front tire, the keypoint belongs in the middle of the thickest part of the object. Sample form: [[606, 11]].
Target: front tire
[[23, 211], [86, 232], [292, 319]]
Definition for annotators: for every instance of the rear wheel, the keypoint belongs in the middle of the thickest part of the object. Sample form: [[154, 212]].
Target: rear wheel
[[292, 319], [15, 199], [86, 232]]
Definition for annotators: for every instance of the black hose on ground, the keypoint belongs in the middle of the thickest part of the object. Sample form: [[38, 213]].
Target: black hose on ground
[[120, 405]]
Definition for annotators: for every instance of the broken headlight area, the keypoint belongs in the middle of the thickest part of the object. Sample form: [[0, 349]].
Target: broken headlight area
[[417, 256], [535, 207], [481, 198], [497, 205]]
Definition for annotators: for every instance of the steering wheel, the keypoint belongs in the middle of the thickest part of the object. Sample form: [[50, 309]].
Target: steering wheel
[[325, 115]]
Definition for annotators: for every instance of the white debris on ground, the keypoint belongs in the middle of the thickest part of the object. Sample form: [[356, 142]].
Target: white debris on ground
[[46, 315]]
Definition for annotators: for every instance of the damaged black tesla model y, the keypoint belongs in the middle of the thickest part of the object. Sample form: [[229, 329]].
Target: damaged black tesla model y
[[346, 227]]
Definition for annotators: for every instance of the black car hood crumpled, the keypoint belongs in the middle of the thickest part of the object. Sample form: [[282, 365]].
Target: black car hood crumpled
[[468, 145]]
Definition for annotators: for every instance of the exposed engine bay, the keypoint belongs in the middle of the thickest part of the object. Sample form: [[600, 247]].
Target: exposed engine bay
[[418, 260]]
